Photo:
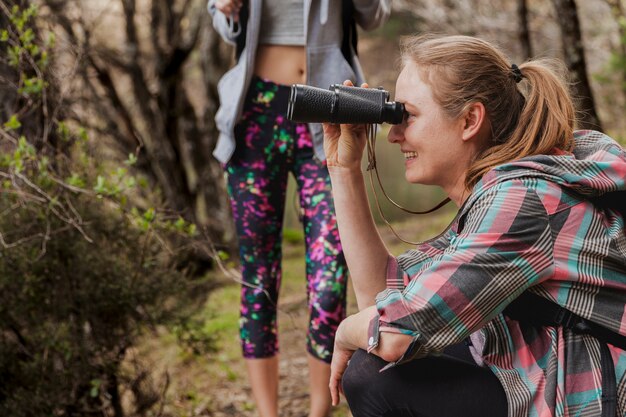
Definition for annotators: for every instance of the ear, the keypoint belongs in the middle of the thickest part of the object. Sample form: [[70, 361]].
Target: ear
[[474, 119]]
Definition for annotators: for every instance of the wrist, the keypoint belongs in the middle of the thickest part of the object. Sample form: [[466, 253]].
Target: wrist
[[341, 171], [344, 336]]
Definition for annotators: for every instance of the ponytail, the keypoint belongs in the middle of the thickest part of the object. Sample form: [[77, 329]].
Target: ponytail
[[546, 120]]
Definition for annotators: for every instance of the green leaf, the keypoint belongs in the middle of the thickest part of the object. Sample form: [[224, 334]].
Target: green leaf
[[76, 181], [130, 182], [4, 35], [120, 172], [12, 124], [51, 41], [14, 55], [180, 224], [95, 388], [149, 214], [43, 60], [63, 131], [27, 36], [83, 135], [100, 186], [132, 160], [32, 86]]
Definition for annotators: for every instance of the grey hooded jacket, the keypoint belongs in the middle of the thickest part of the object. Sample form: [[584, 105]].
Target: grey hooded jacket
[[325, 63]]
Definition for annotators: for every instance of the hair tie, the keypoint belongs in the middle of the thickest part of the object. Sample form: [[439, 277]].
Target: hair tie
[[517, 73]]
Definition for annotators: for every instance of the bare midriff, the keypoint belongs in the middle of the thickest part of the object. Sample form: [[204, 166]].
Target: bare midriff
[[282, 64]]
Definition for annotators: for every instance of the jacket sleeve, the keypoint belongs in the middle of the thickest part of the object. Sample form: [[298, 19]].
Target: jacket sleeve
[[224, 25], [504, 248], [371, 14]]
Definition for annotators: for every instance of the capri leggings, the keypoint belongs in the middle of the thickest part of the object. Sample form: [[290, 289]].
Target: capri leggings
[[269, 146]]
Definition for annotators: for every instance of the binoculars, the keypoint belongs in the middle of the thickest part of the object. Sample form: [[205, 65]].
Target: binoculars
[[342, 105]]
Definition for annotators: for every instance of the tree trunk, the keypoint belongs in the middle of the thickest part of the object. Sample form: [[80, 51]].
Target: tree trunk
[[524, 32], [151, 98], [619, 13], [567, 17]]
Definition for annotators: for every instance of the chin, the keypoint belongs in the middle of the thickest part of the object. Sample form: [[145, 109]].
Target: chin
[[413, 179]]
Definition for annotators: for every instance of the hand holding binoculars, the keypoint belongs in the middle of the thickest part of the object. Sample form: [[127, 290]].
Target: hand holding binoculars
[[342, 105]]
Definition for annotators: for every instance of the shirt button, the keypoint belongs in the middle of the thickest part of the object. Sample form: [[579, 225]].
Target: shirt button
[[371, 341]]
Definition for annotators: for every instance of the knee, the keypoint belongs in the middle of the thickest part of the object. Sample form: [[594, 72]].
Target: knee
[[359, 377], [330, 303]]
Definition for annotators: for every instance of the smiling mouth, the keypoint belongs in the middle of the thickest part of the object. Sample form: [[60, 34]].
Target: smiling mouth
[[410, 155]]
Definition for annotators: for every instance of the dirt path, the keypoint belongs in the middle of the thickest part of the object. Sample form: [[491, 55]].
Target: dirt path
[[234, 398], [215, 383]]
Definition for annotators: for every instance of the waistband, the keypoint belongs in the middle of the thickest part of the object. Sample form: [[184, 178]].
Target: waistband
[[279, 101]]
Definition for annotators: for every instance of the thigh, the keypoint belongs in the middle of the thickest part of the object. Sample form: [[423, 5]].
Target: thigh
[[317, 207], [257, 177], [436, 386]]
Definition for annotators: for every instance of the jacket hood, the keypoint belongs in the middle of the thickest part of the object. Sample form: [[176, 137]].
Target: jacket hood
[[596, 166]]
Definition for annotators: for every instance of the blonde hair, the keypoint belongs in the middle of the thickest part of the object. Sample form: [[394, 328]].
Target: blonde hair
[[527, 118]]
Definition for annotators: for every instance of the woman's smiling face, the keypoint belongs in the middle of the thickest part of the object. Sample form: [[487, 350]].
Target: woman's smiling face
[[431, 141]]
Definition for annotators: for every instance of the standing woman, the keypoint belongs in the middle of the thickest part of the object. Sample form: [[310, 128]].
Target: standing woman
[[279, 43], [518, 309]]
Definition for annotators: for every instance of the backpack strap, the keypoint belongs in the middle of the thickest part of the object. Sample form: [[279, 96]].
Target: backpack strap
[[534, 309], [538, 311], [243, 24], [350, 39]]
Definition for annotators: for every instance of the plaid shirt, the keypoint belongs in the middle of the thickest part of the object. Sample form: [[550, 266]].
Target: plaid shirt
[[528, 224]]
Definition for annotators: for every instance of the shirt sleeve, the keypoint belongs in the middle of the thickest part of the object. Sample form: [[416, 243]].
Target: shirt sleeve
[[224, 25], [504, 247]]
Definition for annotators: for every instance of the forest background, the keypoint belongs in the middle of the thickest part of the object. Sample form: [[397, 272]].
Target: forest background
[[118, 274]]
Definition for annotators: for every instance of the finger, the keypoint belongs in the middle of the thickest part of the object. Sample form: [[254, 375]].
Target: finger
[[330, 129], [351, 132], [365, 85], [334, 394], [348, 83]]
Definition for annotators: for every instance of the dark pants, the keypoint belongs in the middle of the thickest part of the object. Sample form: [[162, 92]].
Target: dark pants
[[449, 385]]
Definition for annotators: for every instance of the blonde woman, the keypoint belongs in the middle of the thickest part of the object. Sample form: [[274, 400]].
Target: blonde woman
[[517, 309]]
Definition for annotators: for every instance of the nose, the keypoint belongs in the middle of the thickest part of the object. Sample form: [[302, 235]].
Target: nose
[[396, 134]]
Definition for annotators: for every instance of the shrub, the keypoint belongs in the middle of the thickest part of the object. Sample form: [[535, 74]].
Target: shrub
[[84, 271]]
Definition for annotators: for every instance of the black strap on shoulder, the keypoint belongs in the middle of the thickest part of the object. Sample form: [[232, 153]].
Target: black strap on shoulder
[[243, 24], [534, 309], [538, 311], [350, 40]]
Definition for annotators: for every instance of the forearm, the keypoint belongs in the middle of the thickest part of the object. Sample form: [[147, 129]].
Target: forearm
[[365, 252]]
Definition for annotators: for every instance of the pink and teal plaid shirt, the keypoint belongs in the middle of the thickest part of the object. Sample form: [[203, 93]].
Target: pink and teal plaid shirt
[[528, 224]]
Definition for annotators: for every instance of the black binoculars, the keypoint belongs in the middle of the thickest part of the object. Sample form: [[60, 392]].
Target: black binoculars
[[342, 104]]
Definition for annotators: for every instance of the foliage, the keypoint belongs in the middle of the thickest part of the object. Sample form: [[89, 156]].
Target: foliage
[[84, 270]]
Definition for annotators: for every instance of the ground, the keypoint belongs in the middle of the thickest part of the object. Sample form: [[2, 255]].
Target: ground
[[214, 383]]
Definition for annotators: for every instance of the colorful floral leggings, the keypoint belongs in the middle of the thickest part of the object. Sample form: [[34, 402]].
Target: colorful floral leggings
[[269, 146]]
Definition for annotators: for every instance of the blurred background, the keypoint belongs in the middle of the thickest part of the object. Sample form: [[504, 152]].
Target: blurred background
[[118, 282]]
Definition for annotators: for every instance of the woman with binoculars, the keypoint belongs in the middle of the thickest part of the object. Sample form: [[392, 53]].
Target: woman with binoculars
[[279, 43], [518, 308]]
